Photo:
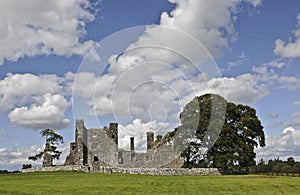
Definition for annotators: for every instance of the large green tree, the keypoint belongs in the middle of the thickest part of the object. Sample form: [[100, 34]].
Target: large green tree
[[229, 146], [50, 152]]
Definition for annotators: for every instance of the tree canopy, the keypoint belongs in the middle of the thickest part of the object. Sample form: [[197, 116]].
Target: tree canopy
[[52, 140], [232, 146], [277, 166]]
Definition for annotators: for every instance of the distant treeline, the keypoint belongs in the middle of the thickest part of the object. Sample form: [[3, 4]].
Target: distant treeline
[[277, 167], [6, 172]]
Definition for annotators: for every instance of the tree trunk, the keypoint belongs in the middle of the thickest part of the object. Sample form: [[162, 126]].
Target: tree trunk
[[48, 161]]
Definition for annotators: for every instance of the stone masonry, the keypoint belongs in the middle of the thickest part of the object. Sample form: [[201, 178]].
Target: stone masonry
[[99, 147], [96, 150], [144, 171]]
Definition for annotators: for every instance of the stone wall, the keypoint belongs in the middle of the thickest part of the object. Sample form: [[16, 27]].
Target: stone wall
[[143, 171], [57, 168], [170, 171]]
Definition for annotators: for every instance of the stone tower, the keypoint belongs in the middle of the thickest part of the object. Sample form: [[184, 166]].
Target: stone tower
[[132, 144], [150, 140], [81, 141], [112, 132]]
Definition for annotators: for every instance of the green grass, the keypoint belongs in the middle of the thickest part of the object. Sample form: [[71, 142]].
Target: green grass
[[96, 183]]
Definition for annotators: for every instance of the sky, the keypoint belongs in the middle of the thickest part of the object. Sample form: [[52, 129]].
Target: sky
[[138, 63]]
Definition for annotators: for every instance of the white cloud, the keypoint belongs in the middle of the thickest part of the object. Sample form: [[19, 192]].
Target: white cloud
[[242, 89], [47, 112], [17, 89], [270, 77], [164, 91], [277, 63], [4, 136], [13, 158], [35, 101], [255, 2], [273, 115], [161, 76], [288, 129], [43, 28], [293, 123], [296, 103], [295, 114], [291, 48], [284, 145], [193, 18], [289, 82], [138, 130], [159, 93], [240, 60], [150, 89]]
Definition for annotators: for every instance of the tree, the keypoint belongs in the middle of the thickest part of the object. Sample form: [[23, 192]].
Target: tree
[[278, 168], [296, 168], [290, 161], [286, 169], [262, 167], [26, 166], [234, 146], [50, 152]]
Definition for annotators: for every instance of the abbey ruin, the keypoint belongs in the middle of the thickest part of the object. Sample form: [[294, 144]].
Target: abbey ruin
[[97, 148]]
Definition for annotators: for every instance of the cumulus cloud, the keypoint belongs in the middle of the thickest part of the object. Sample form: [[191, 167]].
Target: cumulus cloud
[[47, 112], [43, 27], [193, 17], [34, 101], [153, 78], [288, 129], [13, 158], [16, 89], [245, 88], [284, 145], [267, 75], [150, 84], [277, 63], [138, 130], [289, 82], [291, 48], [160, 97]]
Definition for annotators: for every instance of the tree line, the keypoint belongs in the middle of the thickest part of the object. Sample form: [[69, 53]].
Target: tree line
[[277, 167]]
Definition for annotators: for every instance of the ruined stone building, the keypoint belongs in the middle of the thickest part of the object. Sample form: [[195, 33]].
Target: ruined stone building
[[99, 147]]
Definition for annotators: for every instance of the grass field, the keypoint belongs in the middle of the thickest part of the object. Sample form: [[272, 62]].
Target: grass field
[[96, 183]]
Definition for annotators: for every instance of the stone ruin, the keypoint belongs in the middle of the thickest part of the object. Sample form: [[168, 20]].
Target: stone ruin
[[98, 148]]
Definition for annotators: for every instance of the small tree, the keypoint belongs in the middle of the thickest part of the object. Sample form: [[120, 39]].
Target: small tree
[[286, 169], [296, 168], [50, 151], [26, 166], [262, 167]]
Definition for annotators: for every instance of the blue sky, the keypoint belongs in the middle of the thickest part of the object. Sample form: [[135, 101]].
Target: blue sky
[[255, 44]]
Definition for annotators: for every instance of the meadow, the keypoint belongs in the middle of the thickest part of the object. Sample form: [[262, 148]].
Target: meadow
[[97, 183]]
